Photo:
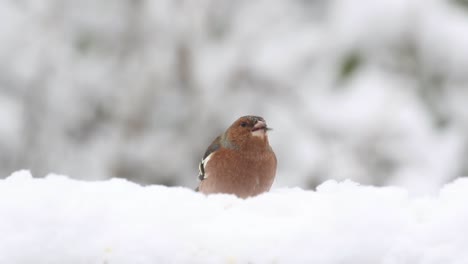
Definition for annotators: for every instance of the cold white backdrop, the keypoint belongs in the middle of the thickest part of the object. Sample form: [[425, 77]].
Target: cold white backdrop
[[373, 91]]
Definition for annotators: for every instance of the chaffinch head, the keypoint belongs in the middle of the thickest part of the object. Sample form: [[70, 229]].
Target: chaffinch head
[[240, 161]]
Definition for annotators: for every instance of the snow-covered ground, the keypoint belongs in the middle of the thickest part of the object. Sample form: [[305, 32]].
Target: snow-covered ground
[[60, 220]]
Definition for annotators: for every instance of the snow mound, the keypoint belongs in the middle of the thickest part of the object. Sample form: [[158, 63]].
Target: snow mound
[[59, 220]]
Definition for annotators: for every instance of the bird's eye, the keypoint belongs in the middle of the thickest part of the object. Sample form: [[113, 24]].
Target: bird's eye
[[243, 124]]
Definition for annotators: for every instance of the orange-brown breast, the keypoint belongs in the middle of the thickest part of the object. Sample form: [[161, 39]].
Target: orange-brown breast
[[243, 173]]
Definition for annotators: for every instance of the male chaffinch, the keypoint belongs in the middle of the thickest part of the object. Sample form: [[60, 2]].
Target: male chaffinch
[[240, 161]]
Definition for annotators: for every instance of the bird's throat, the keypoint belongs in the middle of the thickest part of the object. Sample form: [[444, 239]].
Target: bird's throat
[[259, 133]]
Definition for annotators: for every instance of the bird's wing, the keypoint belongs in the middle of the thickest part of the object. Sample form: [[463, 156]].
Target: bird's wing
[[215, 145]]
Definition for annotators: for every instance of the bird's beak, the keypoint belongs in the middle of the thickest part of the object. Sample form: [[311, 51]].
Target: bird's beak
[[260, 125]]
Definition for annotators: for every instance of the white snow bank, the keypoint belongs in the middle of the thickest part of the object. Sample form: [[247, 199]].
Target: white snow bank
[[59, 220]]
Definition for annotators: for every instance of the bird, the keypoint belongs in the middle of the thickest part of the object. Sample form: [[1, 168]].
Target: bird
[[240, 161]]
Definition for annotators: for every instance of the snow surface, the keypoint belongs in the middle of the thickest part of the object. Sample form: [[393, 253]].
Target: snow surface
[[60, 220]]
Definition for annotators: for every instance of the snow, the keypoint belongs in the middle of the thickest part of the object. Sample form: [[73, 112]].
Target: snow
[[375, 90], [60, 220]]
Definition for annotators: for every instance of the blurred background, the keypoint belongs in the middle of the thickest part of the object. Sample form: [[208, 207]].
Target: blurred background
[[372, 90]]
